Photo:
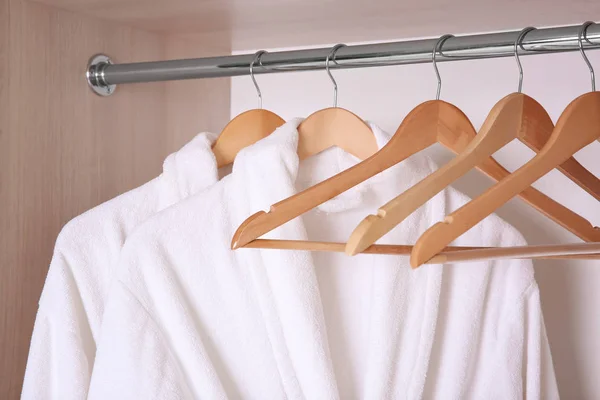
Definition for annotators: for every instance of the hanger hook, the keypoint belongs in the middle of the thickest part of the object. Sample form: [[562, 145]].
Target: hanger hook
[[331, 56], [257, 56], [583, 33], [519, 43], [436, 48]]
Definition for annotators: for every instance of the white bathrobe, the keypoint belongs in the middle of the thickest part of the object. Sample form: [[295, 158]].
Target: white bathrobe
[[69, 317], [190, 318]]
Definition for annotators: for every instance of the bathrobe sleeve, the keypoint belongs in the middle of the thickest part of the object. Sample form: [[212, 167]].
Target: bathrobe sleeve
[[69, 317], [62, 351], [133, 360]]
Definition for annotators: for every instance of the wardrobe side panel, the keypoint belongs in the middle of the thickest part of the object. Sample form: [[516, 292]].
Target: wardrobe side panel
[[9, 298], [64, 150], [6, 259]]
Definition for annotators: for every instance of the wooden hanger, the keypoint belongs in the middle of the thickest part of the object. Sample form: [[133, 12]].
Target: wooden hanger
[[247, 128], [515, 116], [578, 126], [335, 126], [578, 251], [244, 130]]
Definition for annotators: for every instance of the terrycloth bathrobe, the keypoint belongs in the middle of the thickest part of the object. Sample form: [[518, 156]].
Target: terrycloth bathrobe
[[69, 317], [190, 318]]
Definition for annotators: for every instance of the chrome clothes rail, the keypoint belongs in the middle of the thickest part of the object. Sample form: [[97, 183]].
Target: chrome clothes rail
[[103, 75]]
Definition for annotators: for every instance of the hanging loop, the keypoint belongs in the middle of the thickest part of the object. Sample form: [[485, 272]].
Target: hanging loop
[[436, 48], [519, 43], [580, 36], [257, 57], [331, 56]]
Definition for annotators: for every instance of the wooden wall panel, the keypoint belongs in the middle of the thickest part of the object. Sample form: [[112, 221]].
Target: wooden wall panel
[[6, 258], [8, 310], [64, 150], [263, 24]]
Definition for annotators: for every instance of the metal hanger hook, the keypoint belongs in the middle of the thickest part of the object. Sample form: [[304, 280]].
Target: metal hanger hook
[[331, 56], [519, 43], [436, 48], [257, 57], [582, 34]]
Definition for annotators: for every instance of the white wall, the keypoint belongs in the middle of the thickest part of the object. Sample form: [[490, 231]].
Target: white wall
[[570, 289]]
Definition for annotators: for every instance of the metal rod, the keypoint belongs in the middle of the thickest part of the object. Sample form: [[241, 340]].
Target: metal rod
[[469, 47]]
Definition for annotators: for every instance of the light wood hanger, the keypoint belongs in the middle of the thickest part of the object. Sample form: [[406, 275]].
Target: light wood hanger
[[244, 130], [335, 126], [577, 127], [515, 116], [247, 128], [434, 121], [578, 251]]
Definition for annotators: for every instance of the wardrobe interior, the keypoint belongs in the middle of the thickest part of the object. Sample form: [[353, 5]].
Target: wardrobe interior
[[64, 150]]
